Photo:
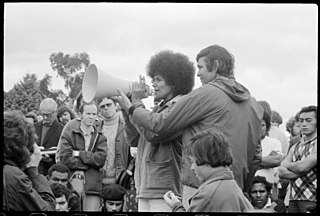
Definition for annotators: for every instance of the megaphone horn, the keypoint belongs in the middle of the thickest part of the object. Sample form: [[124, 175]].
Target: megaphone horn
[[97, 84]]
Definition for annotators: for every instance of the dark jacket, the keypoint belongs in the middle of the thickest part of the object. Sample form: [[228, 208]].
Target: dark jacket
[[51, 140], [27, 191], [122, 150], [88, 161], [52, 136]]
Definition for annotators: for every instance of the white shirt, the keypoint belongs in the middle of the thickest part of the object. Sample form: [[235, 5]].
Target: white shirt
[[268, 145]]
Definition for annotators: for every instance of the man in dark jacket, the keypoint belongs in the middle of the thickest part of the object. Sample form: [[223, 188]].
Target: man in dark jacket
[[48, 131], [83, 149], [24, 189]]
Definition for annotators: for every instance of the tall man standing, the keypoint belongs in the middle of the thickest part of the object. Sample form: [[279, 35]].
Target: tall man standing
[[118, 154], [300, 165], [48, 131], [221, 102]]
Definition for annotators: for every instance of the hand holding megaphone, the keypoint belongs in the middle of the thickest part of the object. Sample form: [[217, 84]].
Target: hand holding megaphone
[[140, 89]]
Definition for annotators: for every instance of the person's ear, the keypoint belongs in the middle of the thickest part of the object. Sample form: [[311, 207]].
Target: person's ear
[[215, 65]]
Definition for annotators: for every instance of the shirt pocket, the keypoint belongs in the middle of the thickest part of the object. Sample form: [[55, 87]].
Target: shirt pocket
[[159, 174]]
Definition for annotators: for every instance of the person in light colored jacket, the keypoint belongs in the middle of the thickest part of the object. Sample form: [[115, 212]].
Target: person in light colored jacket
[[221, 102], [211, 157], [158, 164]]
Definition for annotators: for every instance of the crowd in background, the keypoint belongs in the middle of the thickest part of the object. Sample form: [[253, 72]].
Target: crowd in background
[[211, 149]]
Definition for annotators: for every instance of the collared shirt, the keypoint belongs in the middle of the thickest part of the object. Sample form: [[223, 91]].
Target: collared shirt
[[305, 187], [268, 204], [87, 137]]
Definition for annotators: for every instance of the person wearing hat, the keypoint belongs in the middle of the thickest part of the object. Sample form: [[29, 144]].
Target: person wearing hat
[[113, 196]]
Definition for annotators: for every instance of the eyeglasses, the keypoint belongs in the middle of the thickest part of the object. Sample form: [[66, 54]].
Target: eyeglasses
[[48, 115]]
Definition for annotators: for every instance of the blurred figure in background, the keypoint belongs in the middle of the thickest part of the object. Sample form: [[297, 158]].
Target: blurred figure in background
[[24, 189], [293, 127], [271, 152], [65, 114], [277, 133], [276, 118], [32, 117]]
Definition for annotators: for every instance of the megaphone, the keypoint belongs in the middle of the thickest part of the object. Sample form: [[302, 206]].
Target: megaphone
[[97, 83]]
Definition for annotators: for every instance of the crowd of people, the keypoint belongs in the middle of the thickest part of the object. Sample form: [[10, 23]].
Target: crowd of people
[[211, 149]]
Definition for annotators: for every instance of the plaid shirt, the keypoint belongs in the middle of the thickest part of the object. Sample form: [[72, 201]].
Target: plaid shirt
[[304, 187]]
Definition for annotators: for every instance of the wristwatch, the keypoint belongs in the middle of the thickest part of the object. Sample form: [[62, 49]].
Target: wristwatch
[[76, 153], [131, 109]]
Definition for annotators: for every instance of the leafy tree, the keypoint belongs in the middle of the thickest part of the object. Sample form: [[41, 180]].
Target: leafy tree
[[25, 96], [69, 68], [28, 94]]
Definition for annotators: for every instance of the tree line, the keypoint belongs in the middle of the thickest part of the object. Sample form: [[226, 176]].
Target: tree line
[[27, 94]]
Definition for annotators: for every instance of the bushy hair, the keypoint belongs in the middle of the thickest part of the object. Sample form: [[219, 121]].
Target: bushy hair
[[175, 68], [59, 167], [225, 59], [64, 109], [18, 138], [290, 123], [263, 180], [210, 147], [59, 190], [276, 117]]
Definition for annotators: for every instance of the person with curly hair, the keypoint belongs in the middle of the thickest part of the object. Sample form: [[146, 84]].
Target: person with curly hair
[[60, 173], [65, 199], [221, 101], [158, 164], [24, 189], [65, 114], [260, 197]]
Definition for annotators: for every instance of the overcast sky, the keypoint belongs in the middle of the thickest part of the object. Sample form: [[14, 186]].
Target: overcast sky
[[275, 45]]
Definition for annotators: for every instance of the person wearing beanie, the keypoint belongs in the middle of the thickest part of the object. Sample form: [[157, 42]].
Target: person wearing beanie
[[113, 196]]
